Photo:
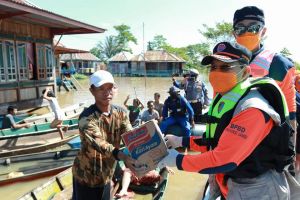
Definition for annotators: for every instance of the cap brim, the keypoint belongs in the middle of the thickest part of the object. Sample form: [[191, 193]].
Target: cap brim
[[208, 59], [99, 84]]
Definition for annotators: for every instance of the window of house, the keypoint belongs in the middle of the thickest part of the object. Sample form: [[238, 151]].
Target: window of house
[[49, 61], [45, 61], [2, 68], [22, 61], [10, 61]]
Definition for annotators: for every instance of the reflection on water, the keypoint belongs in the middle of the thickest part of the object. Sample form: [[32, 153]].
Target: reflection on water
[[182, 185]]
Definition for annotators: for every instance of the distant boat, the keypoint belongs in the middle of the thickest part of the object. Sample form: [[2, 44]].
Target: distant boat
[[31, 166], [60, 187], [22, 149], [35, 129], [69, 113]]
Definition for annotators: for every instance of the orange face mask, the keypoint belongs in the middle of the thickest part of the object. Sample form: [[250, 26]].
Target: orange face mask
[[222, 82], [249, 40]]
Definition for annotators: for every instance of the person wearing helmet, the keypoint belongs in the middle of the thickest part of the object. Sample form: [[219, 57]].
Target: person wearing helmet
[[196, 93], [181, 112]]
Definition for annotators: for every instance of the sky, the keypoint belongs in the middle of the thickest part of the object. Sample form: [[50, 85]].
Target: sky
[[177, 20]]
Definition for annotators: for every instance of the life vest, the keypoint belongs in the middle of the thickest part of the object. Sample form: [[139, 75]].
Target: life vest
[[276, 150], [260, 65], [194, 91]]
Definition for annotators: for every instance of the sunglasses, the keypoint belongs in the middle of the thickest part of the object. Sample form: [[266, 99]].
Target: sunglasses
[[252, 28]]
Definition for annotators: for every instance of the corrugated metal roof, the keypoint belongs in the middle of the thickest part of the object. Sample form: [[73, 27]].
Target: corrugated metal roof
[[25, 11], [79, 56], [122, 56], [157, 56]]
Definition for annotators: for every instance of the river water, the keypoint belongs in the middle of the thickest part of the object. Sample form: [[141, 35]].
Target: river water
[[182, 185]]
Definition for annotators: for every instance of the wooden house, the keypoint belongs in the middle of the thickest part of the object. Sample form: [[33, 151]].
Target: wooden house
[[153, 63], [120, 64], [27, 61], [85, 63]]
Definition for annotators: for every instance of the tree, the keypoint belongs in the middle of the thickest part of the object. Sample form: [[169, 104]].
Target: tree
[[285, 52], [196, 52], [221, 32], [106, 49], [124, 37], [158, 43]]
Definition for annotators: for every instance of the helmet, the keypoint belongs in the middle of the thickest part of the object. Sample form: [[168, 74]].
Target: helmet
[[173, 90], [194, 71]]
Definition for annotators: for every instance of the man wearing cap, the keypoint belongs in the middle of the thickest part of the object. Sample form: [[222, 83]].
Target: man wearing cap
[[100, 127], [249, 29], [181, 112], [246, 143]]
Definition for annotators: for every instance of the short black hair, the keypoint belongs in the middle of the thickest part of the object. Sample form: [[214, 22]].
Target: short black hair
[[156, 94], [49, 94], [11, 108], [149, 102]]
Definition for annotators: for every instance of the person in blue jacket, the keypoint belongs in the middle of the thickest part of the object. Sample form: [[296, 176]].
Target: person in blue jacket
[[181, 112]]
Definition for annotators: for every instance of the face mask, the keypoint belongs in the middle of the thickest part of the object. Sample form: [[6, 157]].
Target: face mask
[[249, 40], [223, 82]]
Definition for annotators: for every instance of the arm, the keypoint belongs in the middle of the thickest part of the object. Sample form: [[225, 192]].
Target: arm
[[15, 125], [141, 105], [45, 95], [228, 155], [190, 110], [125, 102], [165, 110]]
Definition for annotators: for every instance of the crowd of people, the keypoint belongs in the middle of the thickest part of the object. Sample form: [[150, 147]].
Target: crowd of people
[[251, 127]]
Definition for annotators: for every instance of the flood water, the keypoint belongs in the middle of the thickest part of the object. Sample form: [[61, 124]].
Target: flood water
[[182, 185]]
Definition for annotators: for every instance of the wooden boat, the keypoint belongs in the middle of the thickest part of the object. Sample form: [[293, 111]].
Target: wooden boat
[[60, 187], [38, 147], [69, 112], [35, 129], [31, 166]]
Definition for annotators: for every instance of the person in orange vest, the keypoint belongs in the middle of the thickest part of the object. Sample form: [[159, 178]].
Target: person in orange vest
[[248, 140], [249, 30]]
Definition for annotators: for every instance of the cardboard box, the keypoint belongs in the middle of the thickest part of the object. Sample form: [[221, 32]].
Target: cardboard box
[[146, 144]]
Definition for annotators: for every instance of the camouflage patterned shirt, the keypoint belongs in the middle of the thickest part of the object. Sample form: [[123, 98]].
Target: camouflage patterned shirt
[[91, 167]]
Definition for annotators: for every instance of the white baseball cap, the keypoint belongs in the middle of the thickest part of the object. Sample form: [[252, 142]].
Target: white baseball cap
[[101, 77]]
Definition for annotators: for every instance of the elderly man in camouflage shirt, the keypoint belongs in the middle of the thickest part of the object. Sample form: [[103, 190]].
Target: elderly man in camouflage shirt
[[100, 126]]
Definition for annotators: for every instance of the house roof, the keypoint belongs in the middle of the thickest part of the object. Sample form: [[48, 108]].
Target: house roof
[[122, 56], [157, 56], [59, 48], [79, 56], [24, 11]]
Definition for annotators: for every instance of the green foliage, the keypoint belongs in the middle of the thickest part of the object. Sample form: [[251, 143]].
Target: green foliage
[[124, 37], [113, 45], [80, 76], [221, 32], [285, 52], [158, 43], [106, 49]]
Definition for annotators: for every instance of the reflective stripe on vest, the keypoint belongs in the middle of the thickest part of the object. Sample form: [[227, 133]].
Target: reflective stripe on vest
[[228, 102], [260, 65]]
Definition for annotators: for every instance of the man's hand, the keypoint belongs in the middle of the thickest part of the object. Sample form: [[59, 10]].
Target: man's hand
[[173, 141]]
